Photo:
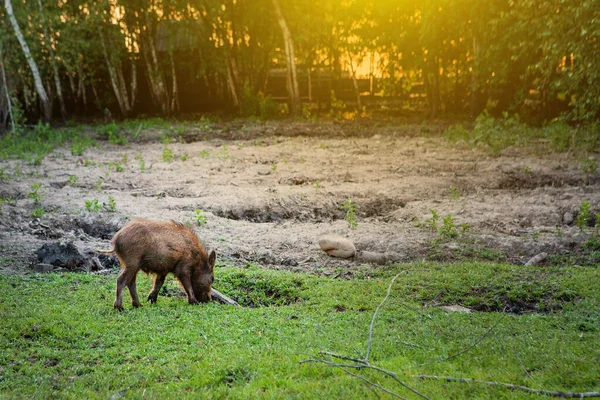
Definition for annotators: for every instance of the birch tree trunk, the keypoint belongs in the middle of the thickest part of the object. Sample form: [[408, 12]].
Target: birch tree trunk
[[37, 79], [8, 101], [292, 77], [59, 92]]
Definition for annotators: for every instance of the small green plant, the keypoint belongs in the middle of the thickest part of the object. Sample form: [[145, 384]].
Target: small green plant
[[454, 193], [183, 158], [588, 165], [72, 180], [4, 176], [117, 166], [99, 184], [125, 159], [199, 218], [448, 228], [274, 167], [584, 215], [527, 170], [224, 153], [165, 138], [111, 205], [350, 217], [317, 185], [434, 220], [141, 162], [92, 205], [204, 154], [535, 236], [38, 212], [35, 193], [80, 143], [112, 132], [168, 155]]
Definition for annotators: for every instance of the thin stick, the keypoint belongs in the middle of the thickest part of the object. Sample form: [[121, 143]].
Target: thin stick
[[370, 342], [362, 365], [566, 395], [373, 384]]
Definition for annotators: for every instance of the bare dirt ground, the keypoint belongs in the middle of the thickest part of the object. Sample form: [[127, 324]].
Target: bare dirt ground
[[270, 190]]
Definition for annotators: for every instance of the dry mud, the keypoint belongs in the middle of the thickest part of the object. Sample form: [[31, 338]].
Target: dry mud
[[270, 190]]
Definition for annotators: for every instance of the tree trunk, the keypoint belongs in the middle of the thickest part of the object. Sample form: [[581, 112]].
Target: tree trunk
[[5, 85], [114, 80], [59, 92], [37, 79], [355, 83], [292, 77], [175, 94]]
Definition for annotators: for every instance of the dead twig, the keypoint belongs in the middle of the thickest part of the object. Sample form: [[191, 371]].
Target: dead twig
[[566, 395]]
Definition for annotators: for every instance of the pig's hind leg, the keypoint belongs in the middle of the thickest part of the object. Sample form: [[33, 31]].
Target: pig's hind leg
[[159, 279]]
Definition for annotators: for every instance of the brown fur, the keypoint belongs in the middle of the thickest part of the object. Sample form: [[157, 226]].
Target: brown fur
[[161, 247]]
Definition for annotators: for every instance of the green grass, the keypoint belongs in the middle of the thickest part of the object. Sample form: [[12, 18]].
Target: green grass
[[60, 337]]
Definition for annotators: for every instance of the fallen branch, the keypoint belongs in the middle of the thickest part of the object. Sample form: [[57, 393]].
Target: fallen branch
[[566, 395], [221, 298]]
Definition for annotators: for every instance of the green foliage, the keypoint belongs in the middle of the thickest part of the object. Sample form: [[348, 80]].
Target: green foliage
[[114, 135], [199, 218], [204, 154], [258, 105], [35, 193], [110, 206], [454, 193], [350, 217], [448, 228], [433, 222], [4, 176], [92, 205], [80, 143], [583, 217], [141, 162], [167, 155], [337, 107], [72, 181], [38, 212]]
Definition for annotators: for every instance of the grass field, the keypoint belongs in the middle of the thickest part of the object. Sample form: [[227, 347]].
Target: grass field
[[61, 338]]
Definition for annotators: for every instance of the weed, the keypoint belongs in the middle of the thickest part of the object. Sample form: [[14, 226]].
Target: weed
[[38, 212], [117, 166], [141, 162], [124, 159], [448, 228], [588, 165], [454, 193], [112, 132], [35, 193], [183, 158], [204, 154], [72, 180], [92, 205], [4, 176], [224, 153], [434, 220], [302, 160], [535, 236], [350, 216], [323, 146], [165, 138], [199, 218], [274, 167], [527, 170], [583, 216], [111, 206], [168, 155], [317, 185], [80, 144], [99, 184]]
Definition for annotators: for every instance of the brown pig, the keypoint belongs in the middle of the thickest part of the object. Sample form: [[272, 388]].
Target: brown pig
[[160, 247]]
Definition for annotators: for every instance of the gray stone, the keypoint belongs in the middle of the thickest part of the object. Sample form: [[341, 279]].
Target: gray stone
[[337, 246], [456, 308], [43, 268], [568, 218]]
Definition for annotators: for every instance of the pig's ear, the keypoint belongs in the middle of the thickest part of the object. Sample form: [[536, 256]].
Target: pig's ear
[[212, 258]]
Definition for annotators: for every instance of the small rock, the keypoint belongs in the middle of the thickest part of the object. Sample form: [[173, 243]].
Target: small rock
[[568, 218], [61, 255], [536, 259], [374, 257], [337, 246], [456, 308]]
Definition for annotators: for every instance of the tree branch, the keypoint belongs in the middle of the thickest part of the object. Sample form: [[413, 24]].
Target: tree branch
[[566, 395]]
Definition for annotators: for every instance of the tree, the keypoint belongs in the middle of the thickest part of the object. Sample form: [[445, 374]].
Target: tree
[[39, 86]]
